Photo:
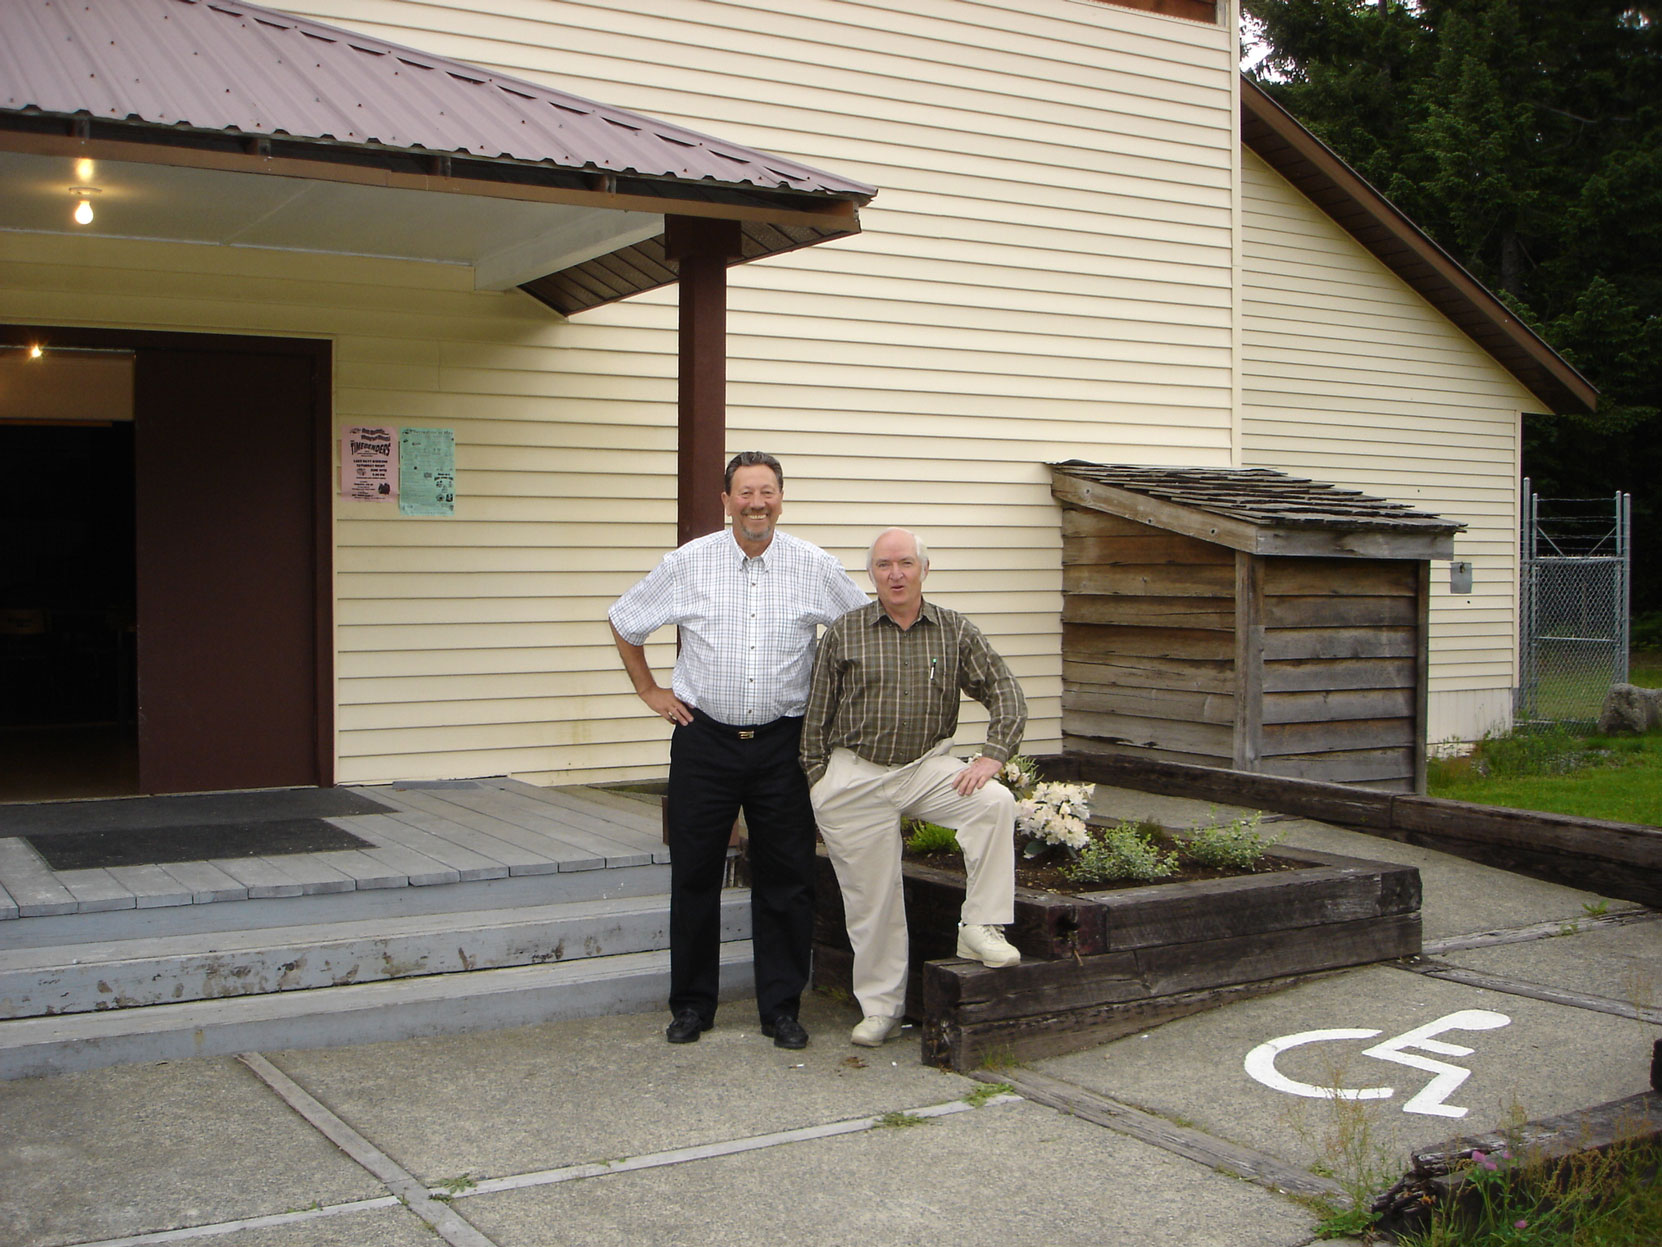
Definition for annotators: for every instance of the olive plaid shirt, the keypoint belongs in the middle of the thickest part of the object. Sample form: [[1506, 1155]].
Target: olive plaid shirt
[[892, 696]]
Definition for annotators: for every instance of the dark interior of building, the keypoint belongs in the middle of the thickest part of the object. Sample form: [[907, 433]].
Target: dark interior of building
[[67, 610]]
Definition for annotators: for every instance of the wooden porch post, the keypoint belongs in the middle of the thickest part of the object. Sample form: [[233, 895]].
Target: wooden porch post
[[701, 248]]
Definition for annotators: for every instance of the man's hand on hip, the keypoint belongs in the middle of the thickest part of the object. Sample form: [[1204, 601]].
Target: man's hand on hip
[[666, 705], [975, 775]]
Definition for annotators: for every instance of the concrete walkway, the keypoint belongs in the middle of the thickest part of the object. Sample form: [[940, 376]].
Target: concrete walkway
[[596, 1132]]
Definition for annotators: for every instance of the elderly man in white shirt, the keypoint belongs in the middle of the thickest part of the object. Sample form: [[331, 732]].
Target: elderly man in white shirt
[[749, 601]]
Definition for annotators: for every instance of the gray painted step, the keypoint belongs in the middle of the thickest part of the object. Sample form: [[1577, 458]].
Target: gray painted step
[[442, 1004], [324, 907], [420, 837], [135, 973]]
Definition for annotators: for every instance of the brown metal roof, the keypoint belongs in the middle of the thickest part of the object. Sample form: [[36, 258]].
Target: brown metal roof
[[228, 66], [1338, 190], [236, 87], [1256, 509]]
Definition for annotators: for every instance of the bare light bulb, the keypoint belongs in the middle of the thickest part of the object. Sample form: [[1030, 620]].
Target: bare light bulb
[[83, 212]]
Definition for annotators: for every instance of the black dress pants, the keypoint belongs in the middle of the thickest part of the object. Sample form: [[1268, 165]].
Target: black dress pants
[[714, 772]]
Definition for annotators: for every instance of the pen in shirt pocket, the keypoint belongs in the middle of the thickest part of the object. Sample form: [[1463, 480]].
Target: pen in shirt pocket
[[932, 663]]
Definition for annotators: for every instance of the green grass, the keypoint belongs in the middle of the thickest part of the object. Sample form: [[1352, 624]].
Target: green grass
[[1559, 772], [1644, 668], [1577, 693]]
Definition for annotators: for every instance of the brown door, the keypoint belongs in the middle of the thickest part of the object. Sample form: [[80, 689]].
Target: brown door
[[226, 460]]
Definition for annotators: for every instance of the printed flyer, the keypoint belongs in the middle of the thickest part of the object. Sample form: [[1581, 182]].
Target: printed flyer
[[369, 462], [427, 472]]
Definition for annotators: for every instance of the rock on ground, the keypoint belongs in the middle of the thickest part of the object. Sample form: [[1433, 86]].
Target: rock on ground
[[1628, 708]]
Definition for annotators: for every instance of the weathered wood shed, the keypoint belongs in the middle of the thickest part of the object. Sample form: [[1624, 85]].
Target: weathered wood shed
[[1245, 618]]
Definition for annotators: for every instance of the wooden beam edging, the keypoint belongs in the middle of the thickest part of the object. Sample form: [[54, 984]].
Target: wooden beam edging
[[1619, 860], [1436, 1176]]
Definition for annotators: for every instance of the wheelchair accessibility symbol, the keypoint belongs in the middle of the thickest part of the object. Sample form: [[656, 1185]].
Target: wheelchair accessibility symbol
[[1403, 1050]]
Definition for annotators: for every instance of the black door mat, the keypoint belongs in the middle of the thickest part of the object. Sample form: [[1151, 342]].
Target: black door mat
[[50, 818], [146, 846]]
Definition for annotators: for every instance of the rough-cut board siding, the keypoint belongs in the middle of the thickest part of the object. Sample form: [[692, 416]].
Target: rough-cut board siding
[[1136, 595], [1347, 377], [1149, 632], [1360, 620], [1046, 273]]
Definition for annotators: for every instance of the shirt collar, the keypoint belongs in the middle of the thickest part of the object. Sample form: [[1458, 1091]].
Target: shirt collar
[[765, 558], [879, 615]]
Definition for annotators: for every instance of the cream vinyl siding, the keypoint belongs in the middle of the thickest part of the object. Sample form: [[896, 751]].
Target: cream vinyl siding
[[466, 645], [1046, 273], [1349, 376]]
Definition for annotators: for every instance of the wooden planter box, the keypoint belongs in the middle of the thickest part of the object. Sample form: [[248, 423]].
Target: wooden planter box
[[1100, 965]]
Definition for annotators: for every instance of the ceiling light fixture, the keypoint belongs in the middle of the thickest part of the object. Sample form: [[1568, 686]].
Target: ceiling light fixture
[[83, 206]]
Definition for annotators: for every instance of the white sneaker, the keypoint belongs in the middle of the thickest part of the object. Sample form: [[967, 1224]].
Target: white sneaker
[[986, 945], [873, 1031]]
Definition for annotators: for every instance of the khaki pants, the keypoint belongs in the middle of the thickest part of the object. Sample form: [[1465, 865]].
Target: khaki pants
[[859, 806]]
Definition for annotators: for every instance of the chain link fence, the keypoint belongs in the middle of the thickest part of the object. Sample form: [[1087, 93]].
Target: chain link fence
[[1575, 586]]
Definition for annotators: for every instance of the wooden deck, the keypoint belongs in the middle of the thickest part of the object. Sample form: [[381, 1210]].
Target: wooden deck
[[430, 835]]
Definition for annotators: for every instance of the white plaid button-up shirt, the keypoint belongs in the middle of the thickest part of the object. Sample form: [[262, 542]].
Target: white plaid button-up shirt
[[748, 625]]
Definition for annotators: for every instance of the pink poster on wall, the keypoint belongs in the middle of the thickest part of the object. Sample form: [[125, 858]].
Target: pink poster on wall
[[369, 462]]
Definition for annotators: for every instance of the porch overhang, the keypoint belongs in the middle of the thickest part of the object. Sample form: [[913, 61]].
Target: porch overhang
[[292, 135]]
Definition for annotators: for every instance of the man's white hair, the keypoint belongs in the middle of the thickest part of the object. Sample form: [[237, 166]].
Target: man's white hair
[[921, 550]]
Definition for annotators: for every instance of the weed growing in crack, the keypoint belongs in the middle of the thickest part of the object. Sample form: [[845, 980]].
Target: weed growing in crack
[[898, 1120], [1342, 1132]]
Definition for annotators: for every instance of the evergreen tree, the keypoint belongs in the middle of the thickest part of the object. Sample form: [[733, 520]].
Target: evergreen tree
[[1526, 139]]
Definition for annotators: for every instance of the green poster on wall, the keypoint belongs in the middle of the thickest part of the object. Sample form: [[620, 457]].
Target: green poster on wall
[[427, 472]]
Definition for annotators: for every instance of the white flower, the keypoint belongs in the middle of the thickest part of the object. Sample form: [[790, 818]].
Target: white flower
[[1056, 814]]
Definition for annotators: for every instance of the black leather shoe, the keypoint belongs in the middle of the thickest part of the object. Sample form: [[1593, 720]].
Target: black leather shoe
[[786, 1032], [686, 1028]]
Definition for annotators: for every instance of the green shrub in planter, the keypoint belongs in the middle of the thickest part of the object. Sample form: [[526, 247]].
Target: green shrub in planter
[[1234, 845], [1124, 851]]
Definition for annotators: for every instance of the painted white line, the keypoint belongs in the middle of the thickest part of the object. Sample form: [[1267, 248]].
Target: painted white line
[[249, 1223], [706, 1151], [443, 1219]]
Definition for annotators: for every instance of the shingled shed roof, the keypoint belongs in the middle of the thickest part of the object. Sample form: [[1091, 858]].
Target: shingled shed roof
[[1257, 510]]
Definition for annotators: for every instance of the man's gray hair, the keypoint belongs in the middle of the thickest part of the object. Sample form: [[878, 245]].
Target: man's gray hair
[[917, 545]]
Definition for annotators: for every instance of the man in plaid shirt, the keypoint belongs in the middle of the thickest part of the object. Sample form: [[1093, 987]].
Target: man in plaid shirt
[[749, 601], [882, 711]]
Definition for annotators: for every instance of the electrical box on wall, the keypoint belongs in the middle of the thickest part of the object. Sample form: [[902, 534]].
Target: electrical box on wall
[[1459, 578]]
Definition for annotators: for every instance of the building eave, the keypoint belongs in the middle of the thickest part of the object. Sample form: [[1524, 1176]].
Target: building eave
[[1318, 173]]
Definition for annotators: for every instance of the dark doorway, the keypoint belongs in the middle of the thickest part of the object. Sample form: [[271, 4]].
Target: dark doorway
[[204, 558], [67, 617]]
